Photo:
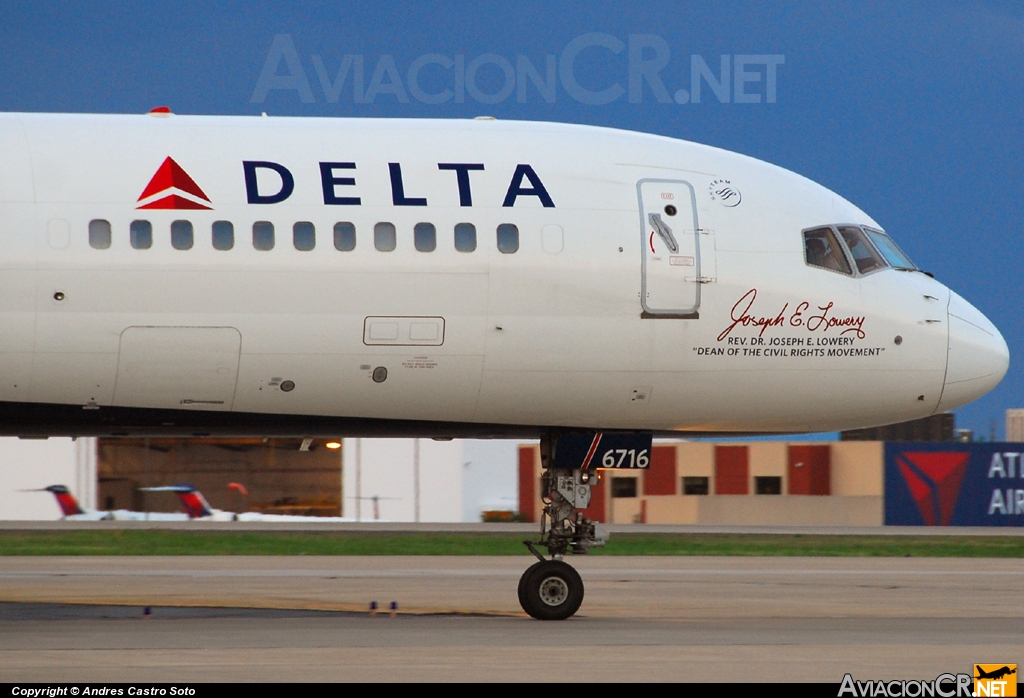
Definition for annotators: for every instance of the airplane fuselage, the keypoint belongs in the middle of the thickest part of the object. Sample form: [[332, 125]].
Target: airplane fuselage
[[458, 277]]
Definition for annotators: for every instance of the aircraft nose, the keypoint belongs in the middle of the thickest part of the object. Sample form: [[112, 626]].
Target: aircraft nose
[[978, 356]]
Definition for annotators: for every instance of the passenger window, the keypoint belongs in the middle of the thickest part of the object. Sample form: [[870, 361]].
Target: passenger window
[[864, 255], [181, 235], [99, 234], [822, 250], [344, 237], [304, 236], [223, 235], [384, 237], [263, 235], [465, 237], [508, 238], [140, 233], [424, 236]]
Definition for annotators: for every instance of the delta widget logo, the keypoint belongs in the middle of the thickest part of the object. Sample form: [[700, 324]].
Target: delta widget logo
[[934, 481], [172, 188]]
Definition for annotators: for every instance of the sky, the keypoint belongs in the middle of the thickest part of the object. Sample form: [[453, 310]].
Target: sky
[[910, 110]]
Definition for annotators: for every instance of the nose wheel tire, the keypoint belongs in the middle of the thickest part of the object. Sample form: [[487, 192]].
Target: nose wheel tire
[[522, 584], [551, 590]]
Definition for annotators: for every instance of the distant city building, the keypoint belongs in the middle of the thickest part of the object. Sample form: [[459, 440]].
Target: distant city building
[[965, 436], [938, 427], [1015, 425]]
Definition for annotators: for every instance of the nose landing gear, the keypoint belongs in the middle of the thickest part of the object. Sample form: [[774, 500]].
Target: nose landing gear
[[551, 589]]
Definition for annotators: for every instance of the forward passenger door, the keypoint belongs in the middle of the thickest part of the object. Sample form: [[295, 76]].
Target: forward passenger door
[[671, 268]]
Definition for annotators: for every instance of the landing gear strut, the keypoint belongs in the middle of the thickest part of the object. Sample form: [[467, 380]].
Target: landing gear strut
[[551, 589]]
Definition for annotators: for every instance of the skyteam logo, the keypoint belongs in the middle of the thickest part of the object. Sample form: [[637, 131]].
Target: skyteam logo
[[172, 188], [723, 191], [934, 481]]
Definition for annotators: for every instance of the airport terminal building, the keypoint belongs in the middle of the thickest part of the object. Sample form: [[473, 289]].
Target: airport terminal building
[[917, 473]]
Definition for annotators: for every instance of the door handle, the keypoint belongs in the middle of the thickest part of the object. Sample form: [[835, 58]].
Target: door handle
[[663, 231]]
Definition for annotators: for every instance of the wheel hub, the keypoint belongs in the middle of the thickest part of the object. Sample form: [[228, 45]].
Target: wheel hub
[[554, 591]]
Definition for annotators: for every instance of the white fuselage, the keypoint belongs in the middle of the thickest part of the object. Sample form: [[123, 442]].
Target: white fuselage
[[591, 322]]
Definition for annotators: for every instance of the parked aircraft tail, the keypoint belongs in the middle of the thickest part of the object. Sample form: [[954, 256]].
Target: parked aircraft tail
[[69, 506], [192, 500]]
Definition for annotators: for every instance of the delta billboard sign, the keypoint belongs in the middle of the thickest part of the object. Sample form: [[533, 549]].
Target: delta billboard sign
[[950, 484]]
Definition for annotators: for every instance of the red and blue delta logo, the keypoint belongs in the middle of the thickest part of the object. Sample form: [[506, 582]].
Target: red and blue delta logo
[[942, 484], [172, 188], [934, 481]]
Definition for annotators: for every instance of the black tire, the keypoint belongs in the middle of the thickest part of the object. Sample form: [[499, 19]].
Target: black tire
[[551, 590], [522, 582]]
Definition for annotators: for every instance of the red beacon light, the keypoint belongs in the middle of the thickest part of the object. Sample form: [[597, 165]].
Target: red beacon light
[[160, 111]]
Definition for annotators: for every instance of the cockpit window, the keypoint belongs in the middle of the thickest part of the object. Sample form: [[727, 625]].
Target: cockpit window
[[864, 255], [888, 249], [822, 250]]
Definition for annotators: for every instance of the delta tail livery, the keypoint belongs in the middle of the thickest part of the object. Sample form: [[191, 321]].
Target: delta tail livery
[[195, 507], [193, 503], [172, 275], [71, 510]]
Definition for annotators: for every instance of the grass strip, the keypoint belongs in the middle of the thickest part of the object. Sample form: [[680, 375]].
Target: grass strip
[[128, 542]]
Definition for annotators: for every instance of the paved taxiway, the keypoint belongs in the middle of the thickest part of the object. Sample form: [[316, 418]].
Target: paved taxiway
[[644, 618]]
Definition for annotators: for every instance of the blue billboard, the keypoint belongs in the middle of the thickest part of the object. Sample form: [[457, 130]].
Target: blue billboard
[[954, 484]]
